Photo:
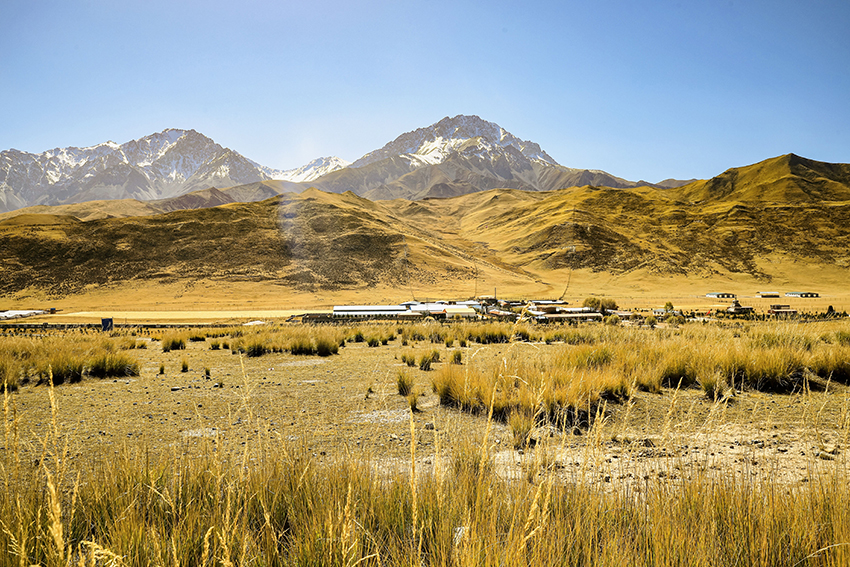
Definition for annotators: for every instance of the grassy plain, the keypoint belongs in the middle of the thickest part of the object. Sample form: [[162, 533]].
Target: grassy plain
[[286, 458]]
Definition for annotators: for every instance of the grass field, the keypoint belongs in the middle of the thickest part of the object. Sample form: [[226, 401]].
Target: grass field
[[260, 452]]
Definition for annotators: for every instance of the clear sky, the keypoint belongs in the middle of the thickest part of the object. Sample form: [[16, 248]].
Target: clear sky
[[643, 90]]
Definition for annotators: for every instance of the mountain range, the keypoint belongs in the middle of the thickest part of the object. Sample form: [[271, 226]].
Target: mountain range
[[786, 219], [454, 156]]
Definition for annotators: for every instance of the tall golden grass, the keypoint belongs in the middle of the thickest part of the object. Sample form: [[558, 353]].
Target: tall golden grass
[[275, 504], [67, 357], [287, 508]]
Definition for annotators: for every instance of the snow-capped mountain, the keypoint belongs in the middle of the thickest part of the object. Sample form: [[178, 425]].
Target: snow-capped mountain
[[434, 144], [166, 164], [455, 156], [313, 170], [163, 165]]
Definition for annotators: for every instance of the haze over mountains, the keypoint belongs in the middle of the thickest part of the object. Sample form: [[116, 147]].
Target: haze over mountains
[[454, 156]]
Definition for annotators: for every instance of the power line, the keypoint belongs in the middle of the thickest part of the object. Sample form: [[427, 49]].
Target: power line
[[572, 249]]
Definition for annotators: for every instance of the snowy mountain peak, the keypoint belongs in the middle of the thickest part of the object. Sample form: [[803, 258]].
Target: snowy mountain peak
[[161, 165], [308, 172], [433, 144]]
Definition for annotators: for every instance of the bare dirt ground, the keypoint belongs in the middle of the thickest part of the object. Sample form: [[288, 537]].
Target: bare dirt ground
[[348, 405]]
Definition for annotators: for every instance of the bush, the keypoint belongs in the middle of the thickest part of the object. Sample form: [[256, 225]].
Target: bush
[[173, 342], [456, 357], [301, 345], [64, 367], [600, 304], [408, 358], [522, 424], [184, 365], [413, 402], [404, 381], [326, 346], [256, 347], [10, 370], [109, 364]]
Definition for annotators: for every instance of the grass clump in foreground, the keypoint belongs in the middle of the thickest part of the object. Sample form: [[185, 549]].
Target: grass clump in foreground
[[113, 364]]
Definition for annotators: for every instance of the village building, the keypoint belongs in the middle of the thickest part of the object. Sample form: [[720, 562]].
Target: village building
[[721, 295], [801, 294], [738, 309], [781, 311]]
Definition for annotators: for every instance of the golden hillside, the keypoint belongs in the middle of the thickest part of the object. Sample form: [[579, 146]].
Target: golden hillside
[[783, 220]]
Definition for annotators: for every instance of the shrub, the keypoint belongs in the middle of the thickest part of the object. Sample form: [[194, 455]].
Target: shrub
[[713, 385], [413, 402], [373, 341], [215, 345], [184, 365], [109, 364], [404, 382], [521, 423], [10, 371], [326, 346], [425, 362], [65, 367], [651, 322], [456, 357], [173, 342], [408, 358], [301, 345], [255, 347], [600, 304]]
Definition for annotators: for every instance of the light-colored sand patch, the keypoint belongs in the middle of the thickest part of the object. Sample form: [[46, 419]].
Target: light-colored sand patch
[[381, 416], [204, 432]]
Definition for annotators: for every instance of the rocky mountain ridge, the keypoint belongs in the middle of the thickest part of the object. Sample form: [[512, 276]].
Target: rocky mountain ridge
[[454, 156]]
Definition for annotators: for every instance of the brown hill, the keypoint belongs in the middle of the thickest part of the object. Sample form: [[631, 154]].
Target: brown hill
[[785, 219], [788, 179]]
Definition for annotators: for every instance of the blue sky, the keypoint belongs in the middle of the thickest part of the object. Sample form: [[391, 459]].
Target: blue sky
[[643, 90]]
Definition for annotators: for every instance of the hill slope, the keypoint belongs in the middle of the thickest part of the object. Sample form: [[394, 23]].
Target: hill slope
[[756, 222]]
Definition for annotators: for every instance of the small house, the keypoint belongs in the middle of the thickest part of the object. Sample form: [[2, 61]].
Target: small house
[[721, 295], [737, 309], [781, 310]]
